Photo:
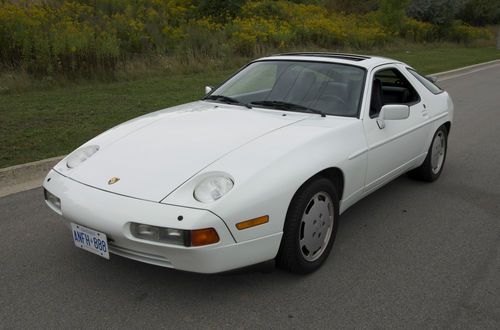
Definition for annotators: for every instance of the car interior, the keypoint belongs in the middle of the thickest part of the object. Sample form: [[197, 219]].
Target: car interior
[[335, 91], [391, 87], [329, 91]]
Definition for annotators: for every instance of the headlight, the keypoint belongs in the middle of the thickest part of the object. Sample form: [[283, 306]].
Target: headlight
[[79, 156], [212, 188]]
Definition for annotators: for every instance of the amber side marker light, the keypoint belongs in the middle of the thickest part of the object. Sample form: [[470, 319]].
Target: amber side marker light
[[252, 222], [206, 236]]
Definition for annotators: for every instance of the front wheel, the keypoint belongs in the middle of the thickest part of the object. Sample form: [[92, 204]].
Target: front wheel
[[310, 227], [433, 164]]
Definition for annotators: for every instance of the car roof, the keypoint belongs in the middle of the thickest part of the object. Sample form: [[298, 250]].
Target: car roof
[[365, 61]]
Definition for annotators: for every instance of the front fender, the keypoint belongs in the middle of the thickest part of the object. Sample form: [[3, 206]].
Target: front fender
[[270, 170]]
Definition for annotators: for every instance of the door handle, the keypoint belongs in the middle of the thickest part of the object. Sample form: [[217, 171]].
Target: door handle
[[424, 111]]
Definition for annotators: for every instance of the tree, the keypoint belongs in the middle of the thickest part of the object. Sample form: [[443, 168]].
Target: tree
[[439, 12], [392, 13], [480, 12], [351, 6], [221, 10]]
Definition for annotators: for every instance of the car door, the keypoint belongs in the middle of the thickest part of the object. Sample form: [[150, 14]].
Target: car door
[[398, 146]]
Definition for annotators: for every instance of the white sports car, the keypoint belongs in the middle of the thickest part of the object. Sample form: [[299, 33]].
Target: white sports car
[[259, 169]]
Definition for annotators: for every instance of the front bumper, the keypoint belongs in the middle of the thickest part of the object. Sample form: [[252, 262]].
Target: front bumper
[[112, 214]]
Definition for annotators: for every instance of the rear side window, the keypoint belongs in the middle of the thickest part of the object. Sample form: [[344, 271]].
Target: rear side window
[[426, 82]]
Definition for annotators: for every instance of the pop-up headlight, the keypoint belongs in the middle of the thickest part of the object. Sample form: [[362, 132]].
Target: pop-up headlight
[[80, 155]]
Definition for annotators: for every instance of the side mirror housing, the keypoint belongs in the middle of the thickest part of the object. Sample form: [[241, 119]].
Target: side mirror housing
[[208, 89], [432, 79], [392, 112]]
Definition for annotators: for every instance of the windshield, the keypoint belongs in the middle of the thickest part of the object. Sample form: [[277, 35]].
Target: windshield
[[329, 88]]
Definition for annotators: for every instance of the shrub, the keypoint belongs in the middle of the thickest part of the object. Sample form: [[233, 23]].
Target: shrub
[[438, 12], [467, 34], [418, 31], [391, 14], [248, 34], [201, 38], [480, 12], [88, 37]]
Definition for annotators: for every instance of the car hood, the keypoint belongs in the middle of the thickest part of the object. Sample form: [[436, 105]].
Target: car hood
[[154, 154]]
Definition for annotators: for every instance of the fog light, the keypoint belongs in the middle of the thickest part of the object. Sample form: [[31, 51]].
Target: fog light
[[52, 201], [174, 236], [197, 237], [146, 232]]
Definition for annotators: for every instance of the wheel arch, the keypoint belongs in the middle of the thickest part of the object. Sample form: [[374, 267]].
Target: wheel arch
[[284, 257], [334, 174], [448, 126], [438, 125]]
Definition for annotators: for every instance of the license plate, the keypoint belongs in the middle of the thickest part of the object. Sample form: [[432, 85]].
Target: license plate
[[90, 240]]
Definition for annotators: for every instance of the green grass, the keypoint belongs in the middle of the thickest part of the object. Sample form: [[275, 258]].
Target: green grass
[[46, 123], [38, 124], [439, 58]]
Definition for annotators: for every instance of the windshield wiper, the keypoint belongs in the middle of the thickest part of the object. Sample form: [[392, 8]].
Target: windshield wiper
[[282, 105], [226, 99]]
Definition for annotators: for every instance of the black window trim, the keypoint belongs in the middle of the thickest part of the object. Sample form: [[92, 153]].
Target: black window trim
[[409, 69], [387, 66]]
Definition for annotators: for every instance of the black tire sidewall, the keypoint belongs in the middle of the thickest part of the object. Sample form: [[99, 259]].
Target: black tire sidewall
[[424, 172], [434, 176], [290, 256]]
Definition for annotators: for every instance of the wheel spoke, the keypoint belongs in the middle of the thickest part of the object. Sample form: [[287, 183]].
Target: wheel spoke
[[437, 152], [317, 222]]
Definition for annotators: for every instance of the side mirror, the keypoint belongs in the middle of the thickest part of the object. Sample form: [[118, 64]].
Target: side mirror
[[208, 89], [392, 112], [432, 79]]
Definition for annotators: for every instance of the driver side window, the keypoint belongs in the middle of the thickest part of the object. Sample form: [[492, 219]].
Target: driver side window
[[391, 87]]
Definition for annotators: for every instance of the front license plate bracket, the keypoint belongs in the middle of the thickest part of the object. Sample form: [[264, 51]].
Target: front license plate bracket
[[90, 240]]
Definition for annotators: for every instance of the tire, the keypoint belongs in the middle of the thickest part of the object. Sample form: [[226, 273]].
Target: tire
[[308, 233], [431, 168]]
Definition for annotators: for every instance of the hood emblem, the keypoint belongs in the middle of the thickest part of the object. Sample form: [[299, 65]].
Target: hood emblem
[[113, 180]]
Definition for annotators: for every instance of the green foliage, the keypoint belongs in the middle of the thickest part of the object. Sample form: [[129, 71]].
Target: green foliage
[[392, 14], [350, 6], [220, 10], [480, 12], [418, 31], [438, 12], [87, 38], [463, 33], [38, 124]]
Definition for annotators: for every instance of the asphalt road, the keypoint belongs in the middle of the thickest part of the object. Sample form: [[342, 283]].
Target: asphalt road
[[411, 255]]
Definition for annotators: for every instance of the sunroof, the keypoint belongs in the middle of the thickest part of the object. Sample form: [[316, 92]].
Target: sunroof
[[350, 57]]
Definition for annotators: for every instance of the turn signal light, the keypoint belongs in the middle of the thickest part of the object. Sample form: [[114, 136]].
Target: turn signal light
[[252, 222], [206, 236]]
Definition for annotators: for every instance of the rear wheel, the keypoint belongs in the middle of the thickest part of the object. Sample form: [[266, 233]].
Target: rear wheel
[[310, 227], [433, 164]]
